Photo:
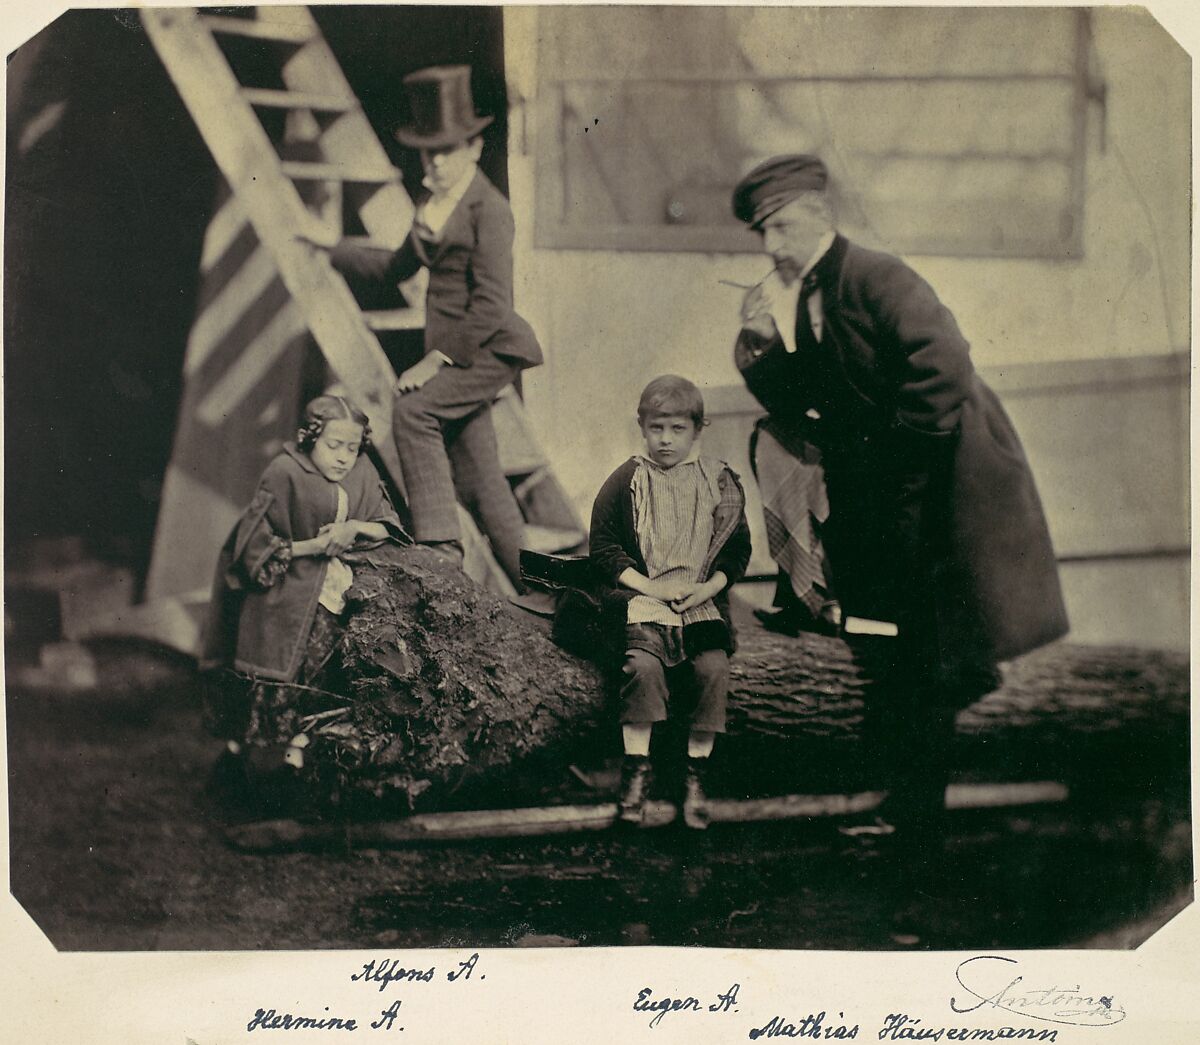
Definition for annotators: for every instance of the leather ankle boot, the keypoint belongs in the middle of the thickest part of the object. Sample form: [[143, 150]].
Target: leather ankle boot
[[635, 786], [695, 802]]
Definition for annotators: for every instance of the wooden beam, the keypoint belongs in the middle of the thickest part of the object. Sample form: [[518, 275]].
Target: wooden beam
[[281, 835], [396, 319], [283, 32], [354, 171], [271, 99]]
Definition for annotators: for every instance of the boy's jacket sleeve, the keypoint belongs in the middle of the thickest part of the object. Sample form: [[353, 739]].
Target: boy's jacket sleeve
[[374, 263], [734, 556], [608, 554]]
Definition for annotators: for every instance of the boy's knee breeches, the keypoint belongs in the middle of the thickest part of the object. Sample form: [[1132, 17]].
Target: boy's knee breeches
[[699, 683]]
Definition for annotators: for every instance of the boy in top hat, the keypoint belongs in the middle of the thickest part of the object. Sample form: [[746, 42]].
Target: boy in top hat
[[475, 343]]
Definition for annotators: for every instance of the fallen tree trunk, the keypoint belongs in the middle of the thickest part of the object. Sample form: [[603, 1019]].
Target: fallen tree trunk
[[460, 699]]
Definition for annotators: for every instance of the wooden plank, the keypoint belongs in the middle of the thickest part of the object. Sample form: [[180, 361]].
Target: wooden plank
[[396, 319], [279, 835], [273, 31], [355, 172], [271, 99]]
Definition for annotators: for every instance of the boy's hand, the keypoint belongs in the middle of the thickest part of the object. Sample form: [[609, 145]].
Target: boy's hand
[[669, 592], [417, 374], [699, 593], [338, 536]]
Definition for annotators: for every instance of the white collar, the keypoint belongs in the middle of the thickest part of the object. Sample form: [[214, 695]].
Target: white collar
[[823, 245], [456, 191], [692, 457], [778, 291]]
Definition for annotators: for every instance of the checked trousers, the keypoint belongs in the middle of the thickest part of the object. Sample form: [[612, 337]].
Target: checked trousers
[[448, 453]]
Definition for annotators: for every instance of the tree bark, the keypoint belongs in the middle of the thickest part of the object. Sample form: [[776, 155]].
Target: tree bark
[[469, 702]]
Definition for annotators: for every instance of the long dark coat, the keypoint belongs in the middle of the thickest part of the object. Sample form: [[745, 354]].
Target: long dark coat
[[933, 509]]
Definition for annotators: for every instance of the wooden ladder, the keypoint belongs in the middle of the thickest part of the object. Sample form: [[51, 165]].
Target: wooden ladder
[[325, 154]]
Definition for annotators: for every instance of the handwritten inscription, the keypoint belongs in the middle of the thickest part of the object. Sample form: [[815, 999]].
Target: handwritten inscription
[[385, 971], [389, 970], [269, 1019], [647, 1002], [381, 971], [811, 1026], [993, 982], [899, 1026]]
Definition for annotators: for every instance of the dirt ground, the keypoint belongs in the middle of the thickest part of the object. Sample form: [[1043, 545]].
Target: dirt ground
[[114, 847]]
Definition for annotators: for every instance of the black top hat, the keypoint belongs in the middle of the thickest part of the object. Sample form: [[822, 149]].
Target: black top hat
[[442, 110]]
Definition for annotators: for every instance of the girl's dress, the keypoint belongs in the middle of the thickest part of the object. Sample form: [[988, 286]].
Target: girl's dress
[[273, 633]]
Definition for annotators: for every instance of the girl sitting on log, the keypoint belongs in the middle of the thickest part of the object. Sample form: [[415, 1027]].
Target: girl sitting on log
[[279, 601], [669, 537]]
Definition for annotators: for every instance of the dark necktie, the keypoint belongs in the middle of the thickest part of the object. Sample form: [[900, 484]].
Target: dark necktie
[[804, 329]]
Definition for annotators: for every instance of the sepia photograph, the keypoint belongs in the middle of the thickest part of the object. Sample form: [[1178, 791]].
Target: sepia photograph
[[574, 476]]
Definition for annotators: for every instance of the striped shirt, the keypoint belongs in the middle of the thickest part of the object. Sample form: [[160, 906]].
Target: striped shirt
[[673, 515]]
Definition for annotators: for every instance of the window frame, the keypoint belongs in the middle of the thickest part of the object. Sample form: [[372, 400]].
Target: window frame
[[550, 232]]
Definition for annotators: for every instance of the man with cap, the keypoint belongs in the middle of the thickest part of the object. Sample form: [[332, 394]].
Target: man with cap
[[937, 546], [475, 343]]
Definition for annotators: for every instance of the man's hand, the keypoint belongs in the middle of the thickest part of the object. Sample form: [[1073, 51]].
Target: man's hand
[[756, 312], [338, 536], [415, 376]]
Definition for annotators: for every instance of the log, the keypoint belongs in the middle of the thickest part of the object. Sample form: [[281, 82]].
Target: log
[[457, 699]]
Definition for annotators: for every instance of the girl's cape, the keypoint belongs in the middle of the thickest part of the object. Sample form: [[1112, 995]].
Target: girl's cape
[[261, 629]]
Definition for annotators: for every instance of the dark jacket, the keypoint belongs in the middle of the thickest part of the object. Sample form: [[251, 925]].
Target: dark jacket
[[258, 624], [469, 303], [614, 548], [931, 456]]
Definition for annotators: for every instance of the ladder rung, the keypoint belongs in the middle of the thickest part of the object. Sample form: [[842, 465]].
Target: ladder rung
[[550, 539], [395, 319], [535, 474], [304, 171], [271, 99], [369, 244], [260, 29]]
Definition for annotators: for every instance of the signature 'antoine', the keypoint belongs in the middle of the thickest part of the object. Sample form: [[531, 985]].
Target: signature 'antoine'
[[993, 984]]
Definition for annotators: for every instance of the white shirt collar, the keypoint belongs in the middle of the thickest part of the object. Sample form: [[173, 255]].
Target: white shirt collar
[[692, 457], [823, 245], [784, 299], [456, 191]]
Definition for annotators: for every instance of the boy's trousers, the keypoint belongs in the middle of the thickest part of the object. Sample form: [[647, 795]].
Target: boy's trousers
[[647, 686], [446, 442]]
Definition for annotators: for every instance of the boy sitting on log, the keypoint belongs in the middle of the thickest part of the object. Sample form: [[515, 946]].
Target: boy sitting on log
[[669, 538]]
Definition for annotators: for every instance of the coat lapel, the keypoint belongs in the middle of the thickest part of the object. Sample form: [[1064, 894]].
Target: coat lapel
[[829, 271], [458, 226]]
